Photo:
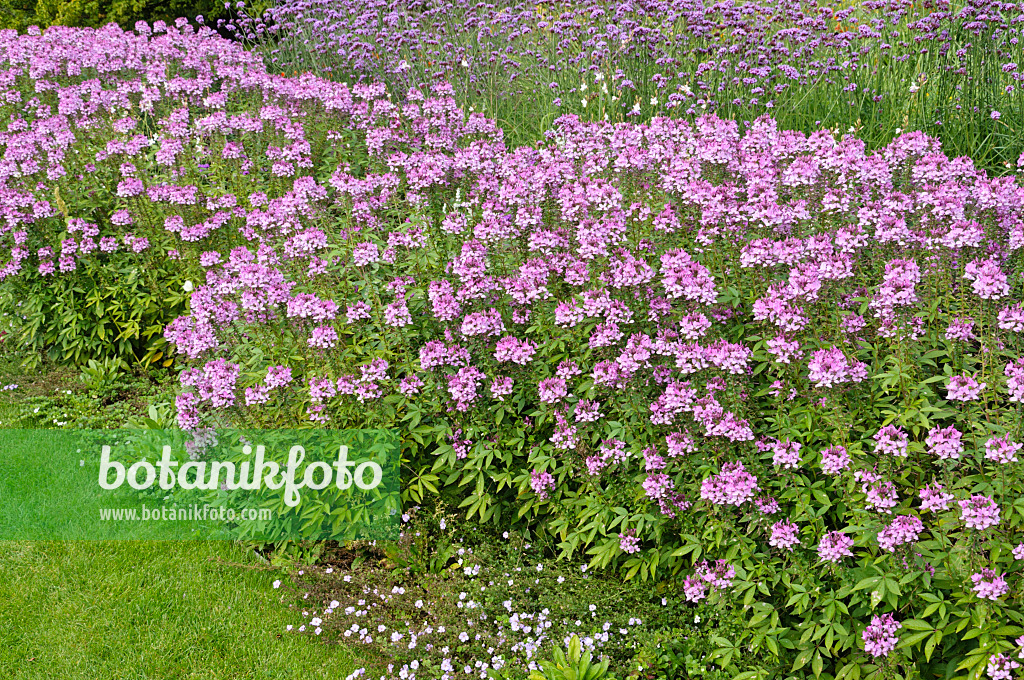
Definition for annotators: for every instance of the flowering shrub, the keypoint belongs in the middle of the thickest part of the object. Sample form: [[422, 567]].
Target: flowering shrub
[[577, 337]]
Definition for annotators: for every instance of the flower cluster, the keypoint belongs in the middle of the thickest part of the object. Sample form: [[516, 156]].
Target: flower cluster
[[880, 636]]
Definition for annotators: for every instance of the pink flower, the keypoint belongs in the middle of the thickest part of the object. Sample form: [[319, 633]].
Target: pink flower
[[629, 543], [365, 253], [785, 535], [834, 546], [719, 576], [517, 351], [541, 483], [891, 440], [964, 388], [733, 486], [988, 585], [960, 329], [1015, 379], [979, 512], [501, 388], [830, 367], [552, 390], [945, 443], [880, 636], [787, 454], [1000, 667], [934, 499], [881, 494], [834, 460], [989, 280], [693, 589], [1002, 449], [903, 529]]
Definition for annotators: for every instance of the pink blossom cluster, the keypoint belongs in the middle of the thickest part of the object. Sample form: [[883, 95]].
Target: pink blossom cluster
[[964, 388], [1002, 449], [902, 530], [880, 635], [784, 535], [732, 486], [988, 585], [830, 367], [891, 440], [834, 546], [979, 512]]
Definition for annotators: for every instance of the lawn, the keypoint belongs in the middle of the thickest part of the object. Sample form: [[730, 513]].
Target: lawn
[[148, 610]]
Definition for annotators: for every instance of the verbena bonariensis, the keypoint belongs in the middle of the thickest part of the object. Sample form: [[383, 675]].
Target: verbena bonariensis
[[950, 68], [674, 332]]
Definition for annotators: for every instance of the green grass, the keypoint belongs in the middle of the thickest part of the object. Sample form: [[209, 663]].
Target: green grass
[[147, 611], [137, 610]]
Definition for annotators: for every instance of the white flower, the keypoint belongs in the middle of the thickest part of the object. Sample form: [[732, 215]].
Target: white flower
[[583, 86], [584, 102], [277, 584], [654, 101]]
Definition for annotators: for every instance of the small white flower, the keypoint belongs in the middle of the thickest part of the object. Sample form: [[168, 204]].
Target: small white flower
[[277, 584]]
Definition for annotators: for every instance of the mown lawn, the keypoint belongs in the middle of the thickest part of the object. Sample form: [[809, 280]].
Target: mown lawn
[[147, 611]]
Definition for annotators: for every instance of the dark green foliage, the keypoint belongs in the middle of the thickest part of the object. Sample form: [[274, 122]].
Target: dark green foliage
[[20, 14]]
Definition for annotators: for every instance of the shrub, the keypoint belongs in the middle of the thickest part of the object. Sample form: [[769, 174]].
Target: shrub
[[681, 350], [20, 14], [107, 146]]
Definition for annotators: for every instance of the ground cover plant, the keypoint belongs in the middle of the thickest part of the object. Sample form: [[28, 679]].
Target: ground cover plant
[[777, 373], [451, 599], [878, 67]]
